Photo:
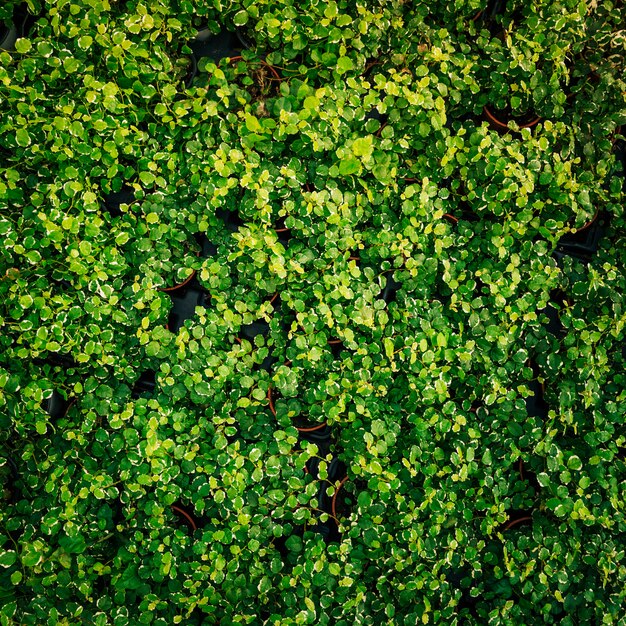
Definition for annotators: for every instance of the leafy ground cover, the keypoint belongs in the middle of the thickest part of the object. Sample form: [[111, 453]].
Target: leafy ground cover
[[312, 312]]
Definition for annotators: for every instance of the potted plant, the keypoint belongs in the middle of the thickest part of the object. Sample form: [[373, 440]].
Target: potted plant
[[113, 201], [302, 423], [158, 249], [215, 46]]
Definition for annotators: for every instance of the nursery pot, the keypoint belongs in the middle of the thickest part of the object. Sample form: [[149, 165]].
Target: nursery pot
[[179, 285], [186, 517], [8, 37], [301, 429], [525, 519], [113, 200], [498, 122], [184, 303], [214, 46], [146, 383], [333, 504]]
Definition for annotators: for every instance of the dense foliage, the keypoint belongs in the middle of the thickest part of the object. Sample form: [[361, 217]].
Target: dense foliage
[[312, 312]]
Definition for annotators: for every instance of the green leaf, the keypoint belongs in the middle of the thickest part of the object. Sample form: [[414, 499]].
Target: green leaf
[[85, 42], [121, 238], [147, 178], [344, 64], [363, 146], [574, 463], [16, 577], [23, 138], [350, 166], [23, 45], [8, 558], [252, 124], [311, 103], [241, 18]]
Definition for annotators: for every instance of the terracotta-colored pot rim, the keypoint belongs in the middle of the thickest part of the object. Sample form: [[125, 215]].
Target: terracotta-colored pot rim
[[588, 224], [501, 125], [519, 520], [333, 504], [179, 285], [310, 429], [186, 515]]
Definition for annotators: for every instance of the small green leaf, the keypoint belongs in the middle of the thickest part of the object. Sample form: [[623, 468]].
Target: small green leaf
[[23, 45], [349, 166], [8, 558], [574, 463], [85, 42], [241, 18], [23, 138], [146, 178], [344, 64]]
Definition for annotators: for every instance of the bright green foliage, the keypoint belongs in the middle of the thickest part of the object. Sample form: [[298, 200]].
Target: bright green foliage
[[369, 147]]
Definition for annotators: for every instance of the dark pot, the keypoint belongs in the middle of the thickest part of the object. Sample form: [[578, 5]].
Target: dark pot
[[555, 326], [536, 406], [207, 248], [336, 471], [336, 347], [114, 200], [498, 120], [8, 37], [338, 504], [619, 148], [584, 242], [145, 384], [180, 286], [528, 476], [488, 18], [381, 118], [56, 405], [320, 436], [231, 219], [61, 360], [216, 47], [250, 331], [301, 424], [185, 298], [391, 288], [245, 41]]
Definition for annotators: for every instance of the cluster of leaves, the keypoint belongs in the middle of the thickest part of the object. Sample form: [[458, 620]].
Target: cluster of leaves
[[370, 253]]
